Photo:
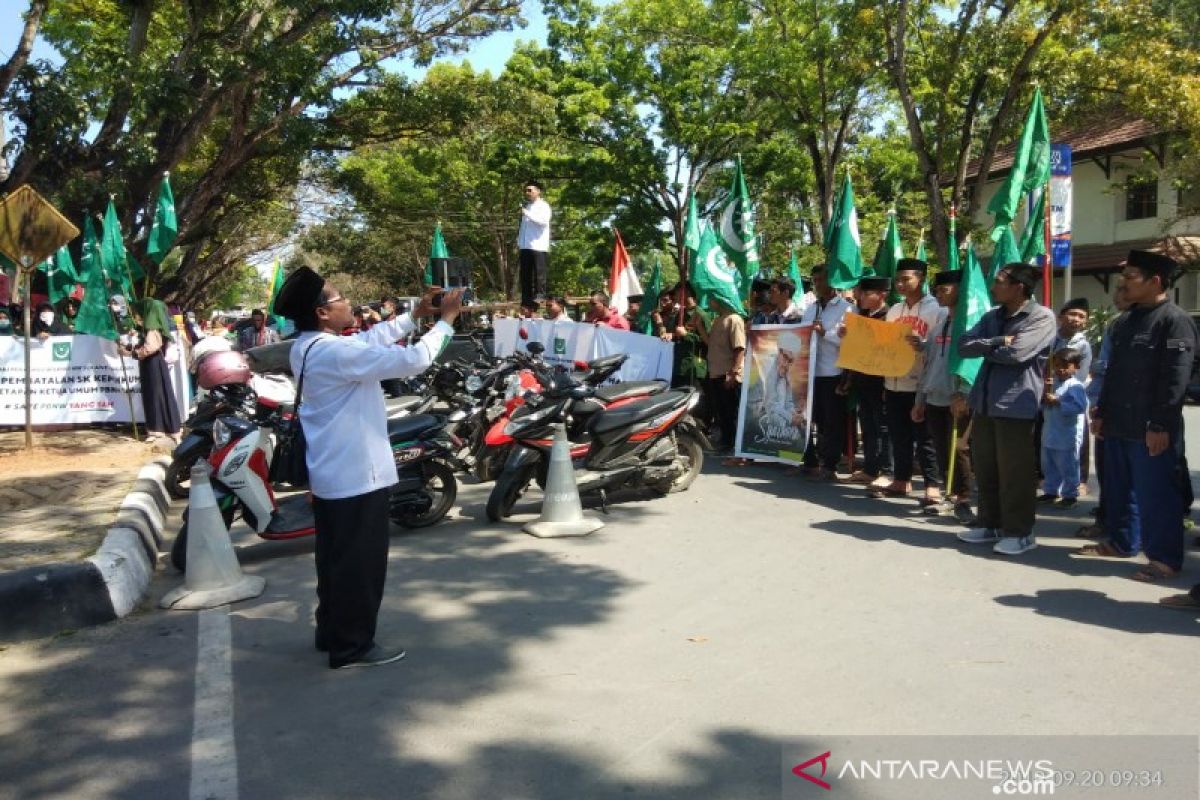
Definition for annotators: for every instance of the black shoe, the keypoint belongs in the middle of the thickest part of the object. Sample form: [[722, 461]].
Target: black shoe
[[1048, 498], [1067, 502], [375, 657]]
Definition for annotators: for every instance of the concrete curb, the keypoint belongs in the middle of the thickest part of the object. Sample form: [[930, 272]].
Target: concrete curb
[[41, 601]]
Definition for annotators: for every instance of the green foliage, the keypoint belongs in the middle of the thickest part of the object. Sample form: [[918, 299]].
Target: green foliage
[[240, 286]]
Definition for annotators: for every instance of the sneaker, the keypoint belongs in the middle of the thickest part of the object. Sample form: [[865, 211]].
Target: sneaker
[[1015, 545], [979, 535], [375, 657], [963, 513], [1067, 502], [1048, 498]]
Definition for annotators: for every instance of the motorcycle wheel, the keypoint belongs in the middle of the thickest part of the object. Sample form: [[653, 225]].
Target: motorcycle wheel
[[179, 546], [178, 480], [692, 455], [441, 484], [510, 485]]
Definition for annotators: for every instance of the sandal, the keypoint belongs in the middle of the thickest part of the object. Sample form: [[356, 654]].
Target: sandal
[[879, 492], [1099, 550], [735, 462], [1154, 572], [930, 501], [1090, 531], [1180, 602]]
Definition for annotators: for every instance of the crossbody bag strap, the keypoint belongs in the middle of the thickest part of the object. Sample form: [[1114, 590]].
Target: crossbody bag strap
[[300, 383]]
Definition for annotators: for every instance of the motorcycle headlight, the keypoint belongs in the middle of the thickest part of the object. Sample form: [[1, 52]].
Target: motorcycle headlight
[[221, 434], [532, 419], [473, 383]]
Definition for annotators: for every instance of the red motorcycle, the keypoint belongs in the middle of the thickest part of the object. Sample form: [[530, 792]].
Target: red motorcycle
[[649, 441]]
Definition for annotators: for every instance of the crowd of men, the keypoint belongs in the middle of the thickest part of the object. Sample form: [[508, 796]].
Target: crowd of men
[[1022, 430]]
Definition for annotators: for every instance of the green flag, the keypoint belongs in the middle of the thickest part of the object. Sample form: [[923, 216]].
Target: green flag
[[437, 249], [276, 285], [738, 239], [691, 228], [1030, 169], [1005, 252], [1033, 239], [793, 273], [973, 303], [60, 274], [843, 256], [166, 227], [94, 317], [651, 292], [888, 254], [713, 276], [134, 267], [112, 252]]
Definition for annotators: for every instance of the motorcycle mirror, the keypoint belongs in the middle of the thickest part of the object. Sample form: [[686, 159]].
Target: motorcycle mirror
[[537, 348]]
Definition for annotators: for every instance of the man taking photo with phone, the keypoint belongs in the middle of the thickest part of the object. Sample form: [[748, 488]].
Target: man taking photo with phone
[[350, 463]]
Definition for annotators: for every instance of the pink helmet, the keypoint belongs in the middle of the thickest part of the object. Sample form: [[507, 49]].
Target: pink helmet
[[222, 367]]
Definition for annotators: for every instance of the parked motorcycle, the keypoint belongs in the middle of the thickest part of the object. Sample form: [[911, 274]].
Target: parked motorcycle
[[426, 454], [648, 441], [534, 374]]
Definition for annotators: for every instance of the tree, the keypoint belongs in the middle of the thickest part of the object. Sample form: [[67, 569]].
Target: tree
[[211, 90], [961, 82], [653, 87], [814, 65]]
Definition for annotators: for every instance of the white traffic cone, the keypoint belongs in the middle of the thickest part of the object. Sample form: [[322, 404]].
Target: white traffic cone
[[562, 512], [214, 577]]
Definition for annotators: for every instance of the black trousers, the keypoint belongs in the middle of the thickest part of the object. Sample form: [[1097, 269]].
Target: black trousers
[[908, 436], [726, 401], [351, 555], [533, 265], [939, 422], [876, 444], [829, 414]]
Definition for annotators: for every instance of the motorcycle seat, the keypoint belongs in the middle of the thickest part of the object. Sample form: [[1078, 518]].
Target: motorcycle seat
[[404, 403], [621, 391], [637, 411], [409, 427], [604, 362]]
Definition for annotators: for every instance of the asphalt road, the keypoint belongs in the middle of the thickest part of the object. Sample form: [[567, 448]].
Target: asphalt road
[[666, 655]]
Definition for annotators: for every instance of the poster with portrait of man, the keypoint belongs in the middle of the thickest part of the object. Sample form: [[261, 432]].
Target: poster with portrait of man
[[776, 406]]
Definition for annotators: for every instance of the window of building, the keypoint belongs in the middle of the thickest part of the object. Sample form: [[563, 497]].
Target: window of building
[[1141, 199]]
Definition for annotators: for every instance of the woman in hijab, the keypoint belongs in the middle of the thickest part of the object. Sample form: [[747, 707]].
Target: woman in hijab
[[46, 323], [68, 311], [158, 400]]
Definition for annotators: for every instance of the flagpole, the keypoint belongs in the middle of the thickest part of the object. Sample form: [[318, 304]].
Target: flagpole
[[26, 288], [953, 450], [1048, 269]]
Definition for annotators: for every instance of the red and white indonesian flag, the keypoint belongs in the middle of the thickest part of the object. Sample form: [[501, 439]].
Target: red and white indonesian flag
[[622, 281]]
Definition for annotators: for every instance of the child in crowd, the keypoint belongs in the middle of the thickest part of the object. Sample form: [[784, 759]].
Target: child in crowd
[[1065, 411]]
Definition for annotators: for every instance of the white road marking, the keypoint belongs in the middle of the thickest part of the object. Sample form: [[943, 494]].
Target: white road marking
[[214, 754]]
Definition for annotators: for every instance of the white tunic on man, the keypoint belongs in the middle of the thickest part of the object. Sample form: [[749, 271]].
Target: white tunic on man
[[534, 233], [342, 407]]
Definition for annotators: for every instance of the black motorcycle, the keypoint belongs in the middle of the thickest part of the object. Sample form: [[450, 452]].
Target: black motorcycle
[[652, 442]]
